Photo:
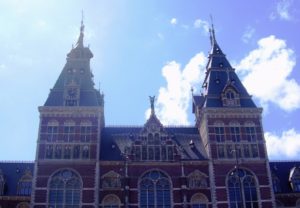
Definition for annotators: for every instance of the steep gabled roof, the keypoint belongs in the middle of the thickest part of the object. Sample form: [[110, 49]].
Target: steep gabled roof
[[77, 74], [220, 75]]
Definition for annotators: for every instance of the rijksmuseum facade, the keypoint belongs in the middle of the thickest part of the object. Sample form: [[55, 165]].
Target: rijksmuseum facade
[[219, 162]]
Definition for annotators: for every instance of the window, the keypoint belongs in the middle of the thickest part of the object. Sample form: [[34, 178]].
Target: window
[[197, 180], [24, 184], [235, 132], [241, 186], [298, 203], [69, 131], [230, 97], [111, 180], [294, 179], [111, 201], [52, 131], [85, 131], [155, 190], [250, 133], [65, 189], [199, 201], [219, 131], [2, 183]]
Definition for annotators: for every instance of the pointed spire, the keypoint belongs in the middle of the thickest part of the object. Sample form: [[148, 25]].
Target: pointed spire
[[80, 39], [212, 35], [152, 100]]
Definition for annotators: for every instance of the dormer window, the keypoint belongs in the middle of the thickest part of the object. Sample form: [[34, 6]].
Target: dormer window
[[24, 185], [230, 98]]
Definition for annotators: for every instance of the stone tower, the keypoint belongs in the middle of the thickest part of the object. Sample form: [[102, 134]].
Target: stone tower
[[67, 160], [231, 129]]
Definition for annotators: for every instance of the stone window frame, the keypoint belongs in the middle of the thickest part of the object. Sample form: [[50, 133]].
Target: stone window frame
[[86, 131], [69, 130], [52, 130], [25, 184], [108, 178], [240, 176], [111, 201], [230, 97], [62, 177], [199, 200], [146, 177]]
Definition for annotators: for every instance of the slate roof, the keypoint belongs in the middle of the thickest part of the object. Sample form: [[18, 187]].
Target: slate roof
[[219, 75], [115, 140], [282, 170], [76, 70], [12, 172]]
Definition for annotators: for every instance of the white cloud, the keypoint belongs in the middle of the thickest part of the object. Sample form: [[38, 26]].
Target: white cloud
[[265, 74], [285, 146], [202, 24], [173, 21], [248, 34], [282, 10], [174, 99]]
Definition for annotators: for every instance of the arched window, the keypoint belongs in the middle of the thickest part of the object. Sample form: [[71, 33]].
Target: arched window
[[199, 201], [111, 201], [294, 179], [111, 180], [24, 184], [65, 189], [230, 97], [2, 183], [155, 190], [23, 205], [242, 190]]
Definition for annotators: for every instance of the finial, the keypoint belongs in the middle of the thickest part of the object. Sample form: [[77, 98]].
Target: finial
[[152, 100], [212, 31], [228, 75], [80, 39], [82, 25], [192, 90]]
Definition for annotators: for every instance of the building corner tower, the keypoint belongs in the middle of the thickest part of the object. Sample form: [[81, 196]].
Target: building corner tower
[[66, 172], [230, 126]]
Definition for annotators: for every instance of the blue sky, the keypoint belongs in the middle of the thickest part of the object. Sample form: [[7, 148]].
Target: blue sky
[[144, 48]]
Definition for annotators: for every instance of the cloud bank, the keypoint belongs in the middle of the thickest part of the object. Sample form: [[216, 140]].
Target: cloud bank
[[174, 99], [266, 74]]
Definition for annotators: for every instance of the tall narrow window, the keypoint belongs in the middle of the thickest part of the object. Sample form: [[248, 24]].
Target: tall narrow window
[[24, 184], [65, 189], [235, 132], [52, 131], [85, 131], [242, 189], [155, 190], [69, 131], [219, 132]]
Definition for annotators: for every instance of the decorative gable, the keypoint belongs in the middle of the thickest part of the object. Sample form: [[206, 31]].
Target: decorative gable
[[230, 97]]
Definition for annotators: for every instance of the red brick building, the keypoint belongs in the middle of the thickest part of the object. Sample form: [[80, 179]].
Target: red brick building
[[221, 161]]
